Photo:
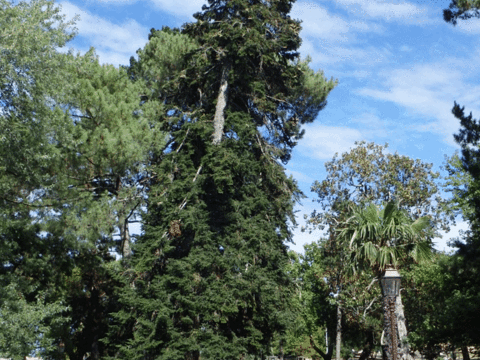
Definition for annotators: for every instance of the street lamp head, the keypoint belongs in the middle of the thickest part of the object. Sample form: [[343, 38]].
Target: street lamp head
[[390, 282]]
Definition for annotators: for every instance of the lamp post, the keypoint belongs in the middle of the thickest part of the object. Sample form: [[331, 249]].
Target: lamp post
[[390, 283]]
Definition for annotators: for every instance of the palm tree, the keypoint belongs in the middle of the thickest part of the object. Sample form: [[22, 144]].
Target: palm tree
[[384, 236]]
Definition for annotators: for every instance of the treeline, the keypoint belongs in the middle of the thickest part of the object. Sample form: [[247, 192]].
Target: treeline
[[189, 141]]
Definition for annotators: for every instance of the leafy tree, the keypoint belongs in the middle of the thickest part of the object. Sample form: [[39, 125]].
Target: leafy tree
[[108, 147], [210, 272], [24, 328], [325, 289], [32, 308], [387, 236], [295, 341], [461, 9], [368, 175], [75, 148], [432, 306], [320, 308], [32, 78]]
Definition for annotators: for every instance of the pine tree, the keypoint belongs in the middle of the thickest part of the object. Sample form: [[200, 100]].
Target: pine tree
[[106, 148], [465, 265], [75, 147], [209, 277]]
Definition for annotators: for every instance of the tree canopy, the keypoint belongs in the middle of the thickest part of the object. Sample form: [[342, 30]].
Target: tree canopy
[[190, 140]]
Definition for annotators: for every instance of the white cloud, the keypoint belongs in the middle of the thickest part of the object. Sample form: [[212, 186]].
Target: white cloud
[[184, 8], [338, 41], [364, 55], [319, 23], [322, 142], [386, 10], [114, 43], [428, 90], [471, 26], [299, 176], [181, 8], [326, 53], [372, 125]]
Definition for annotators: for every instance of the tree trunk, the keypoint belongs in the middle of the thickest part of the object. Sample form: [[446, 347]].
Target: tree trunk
[[95, 354], [465, 354], [367, 350], [219, 119], [325, 356], [404, 352], [338, 344], [125, 238]]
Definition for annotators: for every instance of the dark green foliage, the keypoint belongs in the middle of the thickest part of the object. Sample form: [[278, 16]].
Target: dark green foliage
[[32, 262], [468, 139], [438, 312], [74, 151], [464, 266], [32, 308], [219, 263], [210, 272], [461, 9]]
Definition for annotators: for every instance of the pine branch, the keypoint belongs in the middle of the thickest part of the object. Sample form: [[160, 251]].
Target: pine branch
[[25, 204], [183, 141]]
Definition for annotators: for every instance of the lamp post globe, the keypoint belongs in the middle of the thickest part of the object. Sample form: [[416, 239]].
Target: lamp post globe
[[390, 282]]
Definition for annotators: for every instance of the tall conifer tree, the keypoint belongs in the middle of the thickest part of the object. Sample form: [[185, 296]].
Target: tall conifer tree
[[209, 277]]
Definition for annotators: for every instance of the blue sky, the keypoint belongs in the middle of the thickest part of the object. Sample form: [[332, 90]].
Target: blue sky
[[400, 67]]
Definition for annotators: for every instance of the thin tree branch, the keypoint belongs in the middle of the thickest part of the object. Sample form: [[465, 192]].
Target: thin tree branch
[[368, 307], [183, 141]]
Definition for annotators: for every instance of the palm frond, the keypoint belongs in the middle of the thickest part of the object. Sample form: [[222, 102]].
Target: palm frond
[[389, 211], [387, 256], [368, 252], [422, 251], [353, 238], [421, 224]]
